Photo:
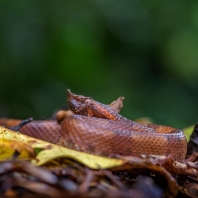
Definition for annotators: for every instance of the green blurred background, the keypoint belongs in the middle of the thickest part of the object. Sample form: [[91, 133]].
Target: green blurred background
[[146, 51]]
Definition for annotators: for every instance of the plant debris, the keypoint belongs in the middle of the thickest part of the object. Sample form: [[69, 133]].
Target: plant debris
[[62, 172], [31, 167]]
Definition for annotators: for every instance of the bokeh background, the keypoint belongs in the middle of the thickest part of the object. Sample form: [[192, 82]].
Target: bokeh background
[[146, 51]]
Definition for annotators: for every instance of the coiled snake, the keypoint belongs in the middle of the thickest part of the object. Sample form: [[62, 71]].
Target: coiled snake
[[95, 128]]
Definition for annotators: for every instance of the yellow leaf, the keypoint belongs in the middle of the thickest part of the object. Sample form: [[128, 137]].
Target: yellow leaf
[[10, 149], [188, 131], [53, 151]]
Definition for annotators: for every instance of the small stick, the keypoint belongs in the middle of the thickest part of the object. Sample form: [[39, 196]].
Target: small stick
[[21, 124]]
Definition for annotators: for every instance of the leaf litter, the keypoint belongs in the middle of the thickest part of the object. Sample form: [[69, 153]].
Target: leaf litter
[[30, 167]]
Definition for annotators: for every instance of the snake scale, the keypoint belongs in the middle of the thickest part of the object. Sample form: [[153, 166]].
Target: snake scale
[[97, 129]]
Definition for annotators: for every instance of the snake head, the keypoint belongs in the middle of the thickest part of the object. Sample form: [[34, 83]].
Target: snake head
[[79, 104], [86, 106]]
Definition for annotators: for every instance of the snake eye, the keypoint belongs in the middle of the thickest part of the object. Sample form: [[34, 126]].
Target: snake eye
[[88, 102]]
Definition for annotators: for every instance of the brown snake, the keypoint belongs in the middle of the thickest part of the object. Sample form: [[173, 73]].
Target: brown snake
[[95, 128]]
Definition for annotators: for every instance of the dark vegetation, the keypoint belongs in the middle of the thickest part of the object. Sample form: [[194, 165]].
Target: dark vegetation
[[144, 51]]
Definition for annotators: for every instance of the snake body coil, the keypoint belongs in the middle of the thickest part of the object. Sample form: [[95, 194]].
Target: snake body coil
[[95, 128]]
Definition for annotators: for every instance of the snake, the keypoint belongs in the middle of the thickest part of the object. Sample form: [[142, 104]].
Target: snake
[[98, 129]]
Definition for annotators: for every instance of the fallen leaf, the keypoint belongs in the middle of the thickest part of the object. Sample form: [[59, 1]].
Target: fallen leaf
[[188, 131], [52, 151], [10, 149]]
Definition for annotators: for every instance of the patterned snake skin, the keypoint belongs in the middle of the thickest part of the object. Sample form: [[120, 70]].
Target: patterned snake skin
[[95, 128]]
